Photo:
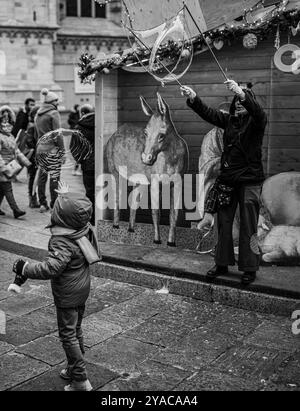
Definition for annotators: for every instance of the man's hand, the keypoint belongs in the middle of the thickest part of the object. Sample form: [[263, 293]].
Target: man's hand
[[235, 88], [63, 188], [188, 92]]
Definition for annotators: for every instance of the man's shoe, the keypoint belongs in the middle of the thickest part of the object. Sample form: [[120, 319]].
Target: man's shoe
[[44, 208], [19, 213], [216, 271], [64, 374], [2, 212], [79, 386], [248, 277], [33, 203]]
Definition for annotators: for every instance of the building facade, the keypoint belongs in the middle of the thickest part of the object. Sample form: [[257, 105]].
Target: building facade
[[41, 42]]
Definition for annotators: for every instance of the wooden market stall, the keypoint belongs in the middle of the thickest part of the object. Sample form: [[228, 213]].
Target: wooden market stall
[[118, 91]]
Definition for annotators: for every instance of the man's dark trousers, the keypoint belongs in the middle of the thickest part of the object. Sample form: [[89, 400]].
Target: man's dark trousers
[[42, 181], [248, 198]]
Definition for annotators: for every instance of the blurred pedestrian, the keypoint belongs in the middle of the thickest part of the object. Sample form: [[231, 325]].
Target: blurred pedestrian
[[73, 119], [31, 142], [86, 125], [22, 119], [11, 160], [47, 119]]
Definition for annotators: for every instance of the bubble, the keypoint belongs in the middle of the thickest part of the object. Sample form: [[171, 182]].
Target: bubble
[[165, 51]]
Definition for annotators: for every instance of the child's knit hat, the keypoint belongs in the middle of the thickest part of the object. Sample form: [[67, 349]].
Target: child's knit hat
[[71, 211]]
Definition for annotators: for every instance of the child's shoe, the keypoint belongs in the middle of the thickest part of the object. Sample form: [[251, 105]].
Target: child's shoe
[[79, 386], [64, 374]]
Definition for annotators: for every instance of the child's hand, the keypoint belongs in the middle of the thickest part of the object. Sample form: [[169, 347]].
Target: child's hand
[[18, 268], [63, 188]]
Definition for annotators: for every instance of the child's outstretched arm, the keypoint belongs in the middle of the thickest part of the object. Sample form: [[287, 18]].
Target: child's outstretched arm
[[58, 258]]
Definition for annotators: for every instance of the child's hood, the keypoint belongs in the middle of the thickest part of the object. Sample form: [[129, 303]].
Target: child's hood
[[71, 211]]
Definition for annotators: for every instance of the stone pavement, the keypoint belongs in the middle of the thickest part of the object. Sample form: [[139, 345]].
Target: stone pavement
[[136, 338], [139, 340]]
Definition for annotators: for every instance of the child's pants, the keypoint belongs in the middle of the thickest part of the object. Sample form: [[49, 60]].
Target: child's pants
[[70, 333], [6, 191]]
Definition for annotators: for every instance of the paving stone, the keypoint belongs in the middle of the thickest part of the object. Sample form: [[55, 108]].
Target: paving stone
[[21, 304], [47, 349], [161, 330], [289, 373], [275, 335], [197, 349], [96, 331], [4, 294], [250, 362], [121, 355], [213, 380], [16, 368], [235, 321], [149, 376], [135, 311], [4, 347], [51, 381], [113, 292], [21, 330]]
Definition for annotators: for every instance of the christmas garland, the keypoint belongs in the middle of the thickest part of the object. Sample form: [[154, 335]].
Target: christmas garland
[[251, 34]]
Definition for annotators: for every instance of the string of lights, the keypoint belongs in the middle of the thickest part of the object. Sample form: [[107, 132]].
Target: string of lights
[[251, 33]]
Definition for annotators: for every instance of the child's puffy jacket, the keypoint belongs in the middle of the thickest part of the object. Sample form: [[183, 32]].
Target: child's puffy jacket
[[68, 271], [66, 265]]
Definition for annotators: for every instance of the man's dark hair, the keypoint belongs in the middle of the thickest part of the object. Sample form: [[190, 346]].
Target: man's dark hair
[[29, 100]]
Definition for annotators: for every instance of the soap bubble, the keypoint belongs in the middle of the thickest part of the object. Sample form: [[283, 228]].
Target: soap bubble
[[165, 51]]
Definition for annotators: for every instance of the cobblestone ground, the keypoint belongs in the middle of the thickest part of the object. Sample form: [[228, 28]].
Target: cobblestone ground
[[138, 339]]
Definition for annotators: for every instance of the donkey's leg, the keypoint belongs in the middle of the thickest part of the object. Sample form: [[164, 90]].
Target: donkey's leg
[[155, 192], [117, 204], [174, 211], [133, 207]]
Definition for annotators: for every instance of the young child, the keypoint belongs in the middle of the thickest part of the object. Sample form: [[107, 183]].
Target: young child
[[67, 267]]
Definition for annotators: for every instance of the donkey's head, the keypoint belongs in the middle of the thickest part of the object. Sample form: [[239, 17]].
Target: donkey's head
[[157, 129]]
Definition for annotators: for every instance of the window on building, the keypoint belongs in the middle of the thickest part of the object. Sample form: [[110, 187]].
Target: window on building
[[72, 8], [100, 11], [86, 8]]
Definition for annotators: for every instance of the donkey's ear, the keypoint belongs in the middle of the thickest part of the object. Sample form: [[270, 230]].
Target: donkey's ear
[[163, 107], [146, 108]]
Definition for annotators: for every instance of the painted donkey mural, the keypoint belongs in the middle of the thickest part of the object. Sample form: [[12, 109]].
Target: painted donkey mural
[[148, 155]]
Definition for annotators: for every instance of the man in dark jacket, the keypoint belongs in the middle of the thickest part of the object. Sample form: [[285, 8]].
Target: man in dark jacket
[[22, 118], [68, 269], [241, 169], [86, 126], [47, 119]]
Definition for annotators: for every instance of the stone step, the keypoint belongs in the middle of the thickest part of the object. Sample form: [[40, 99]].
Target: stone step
[[238, 298]]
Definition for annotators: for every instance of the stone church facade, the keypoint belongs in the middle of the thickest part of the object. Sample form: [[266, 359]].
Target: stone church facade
[[41, 42]]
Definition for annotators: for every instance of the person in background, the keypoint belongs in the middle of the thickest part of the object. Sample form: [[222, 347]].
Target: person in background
[[31, 142], [8, 153], [86, 125], [241, 177], [47, 119], [73, 119], [22, 119]]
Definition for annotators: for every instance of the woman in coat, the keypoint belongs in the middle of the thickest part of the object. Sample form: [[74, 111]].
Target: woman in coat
[[8, 153]]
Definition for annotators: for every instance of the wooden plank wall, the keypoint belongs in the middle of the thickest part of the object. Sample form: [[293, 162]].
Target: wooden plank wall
[[278, 92]]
